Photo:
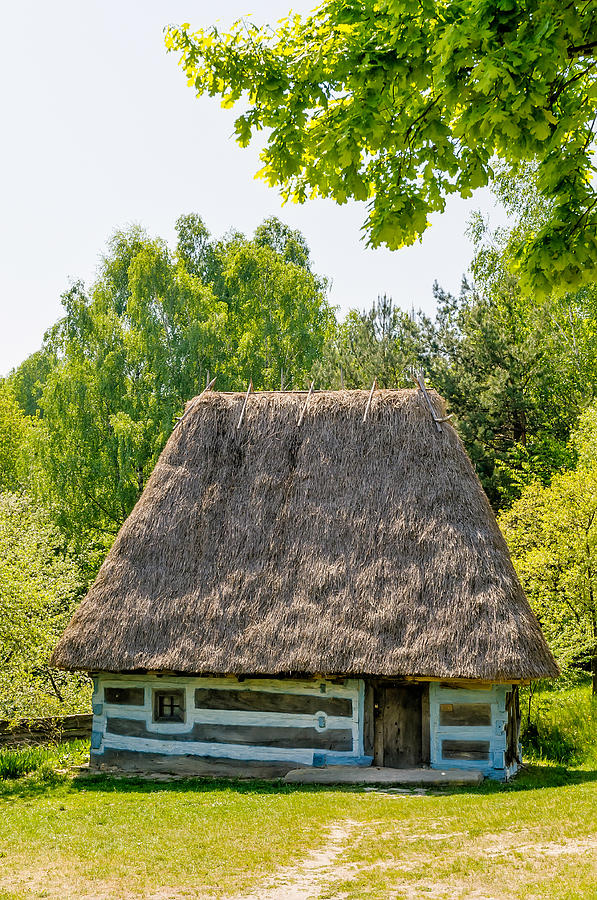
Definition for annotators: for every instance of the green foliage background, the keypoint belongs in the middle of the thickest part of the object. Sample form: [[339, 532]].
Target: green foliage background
[[149, 334], [83, 420], [40, 584], [402, 104]]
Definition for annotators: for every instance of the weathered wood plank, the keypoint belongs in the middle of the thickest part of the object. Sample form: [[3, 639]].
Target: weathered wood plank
[[369, 720], [513, 726], [465, 749], [79, 720], [482, 747], [336, 687], [425, 727], [267, 701], [251, 735], [378, 736], [189, 765], [39, 731], [402, 726], [465, 714]]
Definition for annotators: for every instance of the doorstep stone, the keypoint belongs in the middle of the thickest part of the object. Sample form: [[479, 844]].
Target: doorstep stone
[[381, 775]]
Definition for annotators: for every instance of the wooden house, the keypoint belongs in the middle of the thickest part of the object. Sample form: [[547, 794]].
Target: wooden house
[[308, 580]]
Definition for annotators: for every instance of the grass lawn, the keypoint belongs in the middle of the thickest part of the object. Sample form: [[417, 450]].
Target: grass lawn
[[104, 838], [120, 838]]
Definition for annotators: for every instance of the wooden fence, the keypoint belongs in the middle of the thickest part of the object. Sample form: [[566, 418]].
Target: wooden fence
[[43, 731]]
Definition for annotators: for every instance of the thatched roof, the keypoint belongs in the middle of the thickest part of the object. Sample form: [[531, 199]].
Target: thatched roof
[[334, 547]]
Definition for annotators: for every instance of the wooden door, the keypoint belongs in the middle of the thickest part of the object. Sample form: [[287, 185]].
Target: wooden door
[[399, 725]]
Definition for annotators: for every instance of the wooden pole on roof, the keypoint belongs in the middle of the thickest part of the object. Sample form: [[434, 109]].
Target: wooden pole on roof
[[369, 400], [207, 387], [419, 379], [242, 412], [300, 418]]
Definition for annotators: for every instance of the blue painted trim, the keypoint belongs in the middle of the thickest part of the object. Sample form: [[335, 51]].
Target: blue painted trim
[[320, 760], [346, 760], [499, 759], [97, 709], [96, 740]]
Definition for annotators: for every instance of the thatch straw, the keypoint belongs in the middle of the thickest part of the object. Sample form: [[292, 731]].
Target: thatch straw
[[339, 547]]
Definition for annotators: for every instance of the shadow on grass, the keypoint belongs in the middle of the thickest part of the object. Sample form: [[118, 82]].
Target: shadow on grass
[[532, 777]]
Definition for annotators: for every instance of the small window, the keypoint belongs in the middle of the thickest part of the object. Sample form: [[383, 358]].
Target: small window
[[168, 706], [124, 696]]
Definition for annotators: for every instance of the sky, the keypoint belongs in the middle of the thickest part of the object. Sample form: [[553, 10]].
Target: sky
[[100, 130]]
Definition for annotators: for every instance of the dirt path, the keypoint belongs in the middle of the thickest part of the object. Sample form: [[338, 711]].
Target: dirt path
[[323, 868], [403, 859], [305, 880]]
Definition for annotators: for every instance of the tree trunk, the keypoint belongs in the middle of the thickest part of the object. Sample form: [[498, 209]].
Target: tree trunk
[[593, 613], [520, 426]]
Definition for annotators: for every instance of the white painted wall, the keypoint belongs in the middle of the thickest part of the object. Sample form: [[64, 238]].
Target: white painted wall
[[352, 689]]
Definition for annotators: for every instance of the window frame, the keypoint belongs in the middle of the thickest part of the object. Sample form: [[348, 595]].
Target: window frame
[[179, 695]]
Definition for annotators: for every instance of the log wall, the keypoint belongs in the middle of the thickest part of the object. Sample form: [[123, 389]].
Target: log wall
[[42, 731], [267, 724]]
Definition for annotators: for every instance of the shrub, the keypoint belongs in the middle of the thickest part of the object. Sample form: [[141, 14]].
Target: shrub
[[18, 761], [21, 761], [562, 726]]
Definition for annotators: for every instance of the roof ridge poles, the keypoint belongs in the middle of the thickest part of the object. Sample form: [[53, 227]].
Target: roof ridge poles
[[420, 381], [373, 386], [207, 387], [300, 418], [242, 412]]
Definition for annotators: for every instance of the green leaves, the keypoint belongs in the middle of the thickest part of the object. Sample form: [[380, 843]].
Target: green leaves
[[388, 101], [40, 582], [379, 344], [552, 534], [130, 353], [103, 395], [16, 436]]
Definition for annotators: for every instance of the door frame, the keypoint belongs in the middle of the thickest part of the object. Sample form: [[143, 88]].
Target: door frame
[[375, 733]]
